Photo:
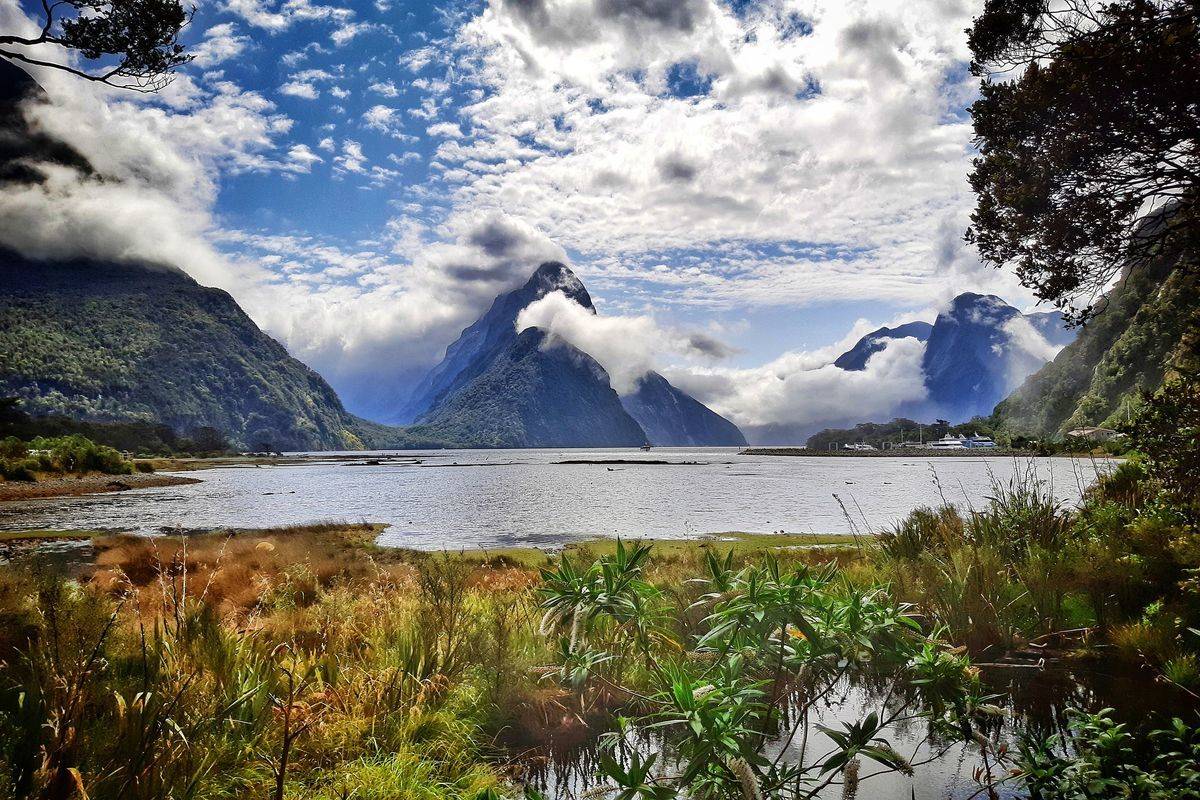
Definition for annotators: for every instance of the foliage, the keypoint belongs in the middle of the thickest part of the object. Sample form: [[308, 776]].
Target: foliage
[[136, 686], [1112, 87], [1101, 759], [114, 343], [72, 454], [136, 42], [1147, 329], [765, 633], [1167, 432]]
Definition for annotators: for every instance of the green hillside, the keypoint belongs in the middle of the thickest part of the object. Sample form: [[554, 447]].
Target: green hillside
[[102, 341], [1149, 326]]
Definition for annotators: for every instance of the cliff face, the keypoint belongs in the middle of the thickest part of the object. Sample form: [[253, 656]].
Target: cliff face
[[494, 388], [973, 354], [484, 339], [855, 359], [535, 393]]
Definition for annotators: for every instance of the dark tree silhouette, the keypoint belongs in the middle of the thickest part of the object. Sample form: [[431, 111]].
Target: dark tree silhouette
[[1088, 129], [133, 44]]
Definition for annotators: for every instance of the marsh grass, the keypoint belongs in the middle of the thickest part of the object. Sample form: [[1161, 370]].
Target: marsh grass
[[1022, 569], [291, 662]]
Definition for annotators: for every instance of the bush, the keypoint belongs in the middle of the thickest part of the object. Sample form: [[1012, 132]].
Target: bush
[[1167, 431], [1100, 759], [78, 454], [22, 470], [13, 449]]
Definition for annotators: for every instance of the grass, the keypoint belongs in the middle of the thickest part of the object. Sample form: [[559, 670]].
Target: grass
[[231, 663], [668, 549], [37, 535], [1118, 571]]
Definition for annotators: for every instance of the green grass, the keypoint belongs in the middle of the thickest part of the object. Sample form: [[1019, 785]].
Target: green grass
[[41, 535], [666, 549]]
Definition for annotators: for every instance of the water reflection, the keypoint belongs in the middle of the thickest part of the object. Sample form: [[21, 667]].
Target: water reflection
[[565, 766]]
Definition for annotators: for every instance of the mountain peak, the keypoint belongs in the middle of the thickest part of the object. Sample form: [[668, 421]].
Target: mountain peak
[[554, 276]]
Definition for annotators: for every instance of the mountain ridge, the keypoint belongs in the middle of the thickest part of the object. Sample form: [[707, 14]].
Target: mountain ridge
[[461, 398]]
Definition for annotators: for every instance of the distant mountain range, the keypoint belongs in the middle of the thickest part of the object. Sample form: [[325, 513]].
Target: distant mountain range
[[976, 353], [496, 387], [855, 359]]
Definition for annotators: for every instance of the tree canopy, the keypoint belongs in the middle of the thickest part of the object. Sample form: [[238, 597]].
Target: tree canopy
[[1087, 127], [133, 44]]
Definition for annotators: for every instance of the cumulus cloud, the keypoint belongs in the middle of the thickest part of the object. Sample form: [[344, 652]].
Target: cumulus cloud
[[816, 141], [301, 89], [1027, 350], [154, 173], [626, 346], [276, 17], [221, 43], [803, 390]]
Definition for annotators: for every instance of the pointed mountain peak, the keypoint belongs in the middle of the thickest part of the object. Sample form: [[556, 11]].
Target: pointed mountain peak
[[554, 276]]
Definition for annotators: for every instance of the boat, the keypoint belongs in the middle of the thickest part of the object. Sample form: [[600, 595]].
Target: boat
[[646, 446], [949, 442]]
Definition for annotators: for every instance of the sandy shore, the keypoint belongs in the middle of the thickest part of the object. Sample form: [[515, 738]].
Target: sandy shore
[[74, 486]]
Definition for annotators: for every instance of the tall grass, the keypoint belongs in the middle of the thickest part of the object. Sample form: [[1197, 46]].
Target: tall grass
[[1023, 568]]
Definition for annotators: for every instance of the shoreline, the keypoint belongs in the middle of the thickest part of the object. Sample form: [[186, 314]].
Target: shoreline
[[913, 452], [77, 486]]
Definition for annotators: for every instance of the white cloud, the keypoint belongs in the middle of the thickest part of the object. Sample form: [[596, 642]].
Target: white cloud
[[1027, 339], [445, 129], [803, 389], [626, 346], [344, 33], [818, 140], [351, 158], [306, 91], [303, 157], [221, 43], [385, 88], [276, 17]]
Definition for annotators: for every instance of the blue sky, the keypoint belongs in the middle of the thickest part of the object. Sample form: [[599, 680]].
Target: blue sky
[[365, 177]]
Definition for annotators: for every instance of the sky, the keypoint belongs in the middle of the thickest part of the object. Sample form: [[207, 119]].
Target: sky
[[775, 178]]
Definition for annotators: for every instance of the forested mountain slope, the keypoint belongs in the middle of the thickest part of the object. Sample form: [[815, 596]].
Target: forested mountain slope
[[1149, 325]]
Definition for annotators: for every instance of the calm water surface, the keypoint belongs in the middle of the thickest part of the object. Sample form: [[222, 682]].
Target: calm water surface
[[465, 498]]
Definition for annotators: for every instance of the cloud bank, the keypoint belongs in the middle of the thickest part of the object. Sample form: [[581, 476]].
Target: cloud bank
[[802, 390], [626, 346]]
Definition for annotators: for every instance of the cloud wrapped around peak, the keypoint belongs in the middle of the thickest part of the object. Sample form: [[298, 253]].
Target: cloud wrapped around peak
[[626, 346], [803, 390]]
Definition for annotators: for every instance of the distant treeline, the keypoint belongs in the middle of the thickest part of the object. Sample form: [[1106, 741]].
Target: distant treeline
[[901, 430], [139, 438]]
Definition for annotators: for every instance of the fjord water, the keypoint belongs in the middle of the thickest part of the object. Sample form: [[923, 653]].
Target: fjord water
[[495, 498]]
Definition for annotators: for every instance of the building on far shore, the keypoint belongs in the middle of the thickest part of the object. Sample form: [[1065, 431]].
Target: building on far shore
[[1095, 434]]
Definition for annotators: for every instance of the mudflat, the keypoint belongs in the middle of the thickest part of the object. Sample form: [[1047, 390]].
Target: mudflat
[[75, 485]]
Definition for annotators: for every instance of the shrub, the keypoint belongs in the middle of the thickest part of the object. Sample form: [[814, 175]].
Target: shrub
[[78, 454], [13, 449], [1100, 759], [1167, 431]]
